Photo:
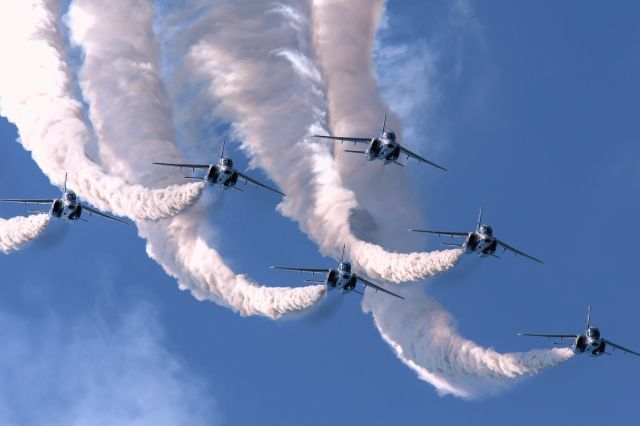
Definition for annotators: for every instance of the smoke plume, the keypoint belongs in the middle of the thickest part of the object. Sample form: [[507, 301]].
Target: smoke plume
[[419, 330], [422, 334], [132, 118], [36, 95], [18, 231], [256, 63]]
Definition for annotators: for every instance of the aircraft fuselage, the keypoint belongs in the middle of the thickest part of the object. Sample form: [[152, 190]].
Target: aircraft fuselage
[[223, 174], [591, 344], [66, 208], [482, 242], [383, 149], [341, 278]]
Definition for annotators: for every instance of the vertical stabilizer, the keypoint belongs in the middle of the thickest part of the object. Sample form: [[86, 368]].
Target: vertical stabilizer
[[588, 317], [384, 124], [479, 219], [222, 150], [65, 181], [342, 257]]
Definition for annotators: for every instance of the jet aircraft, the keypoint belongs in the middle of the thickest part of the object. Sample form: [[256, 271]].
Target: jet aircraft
[[223, 173], [481, 241], [591, 342], [384, 148], [340, 278], [67, 207]]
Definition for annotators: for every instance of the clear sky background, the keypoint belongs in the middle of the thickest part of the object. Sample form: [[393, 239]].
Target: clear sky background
[[533, 108]]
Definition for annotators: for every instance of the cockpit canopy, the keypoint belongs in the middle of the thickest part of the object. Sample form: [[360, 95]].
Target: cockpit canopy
[[70, 196], [486, 230], [593, 332], [389, 135], [228, 162], [345, 266]]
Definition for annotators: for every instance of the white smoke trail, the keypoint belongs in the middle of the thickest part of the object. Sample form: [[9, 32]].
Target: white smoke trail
[[132, 119], [36, 95], [18, 231], [422, 335], [256, 63], [419, 330]]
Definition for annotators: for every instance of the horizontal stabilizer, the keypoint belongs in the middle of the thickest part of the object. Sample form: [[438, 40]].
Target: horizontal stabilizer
[[398, 163], [452, 245]]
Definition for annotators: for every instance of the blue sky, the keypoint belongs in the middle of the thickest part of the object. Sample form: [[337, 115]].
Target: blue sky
[[536, 120]]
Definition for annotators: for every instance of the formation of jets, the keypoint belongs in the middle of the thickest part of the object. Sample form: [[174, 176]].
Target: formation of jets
[[385, 148]]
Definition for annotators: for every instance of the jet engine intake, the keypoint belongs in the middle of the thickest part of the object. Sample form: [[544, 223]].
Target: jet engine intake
[[56, 208], [332, 279]]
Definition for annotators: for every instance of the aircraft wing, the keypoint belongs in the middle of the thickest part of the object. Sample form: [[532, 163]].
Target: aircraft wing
[[313, 271], [27, 201], [342, 138], [560, 336], [447, 233], [186, 166], [106, 216], [255, 182], [377, 287], [621, 348], [516, 251], [422, 159]]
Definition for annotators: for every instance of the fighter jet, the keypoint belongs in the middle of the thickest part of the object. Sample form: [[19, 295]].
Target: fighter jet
[[590, 342], [384, 148], [340, 278], [67, 207], [481, 241], [223, 173]]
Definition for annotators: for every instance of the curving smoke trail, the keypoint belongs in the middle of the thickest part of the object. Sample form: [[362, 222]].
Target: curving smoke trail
[[422, 334], [18, 231], [419, 330], [256, 64], [36, 95], [133, 122]]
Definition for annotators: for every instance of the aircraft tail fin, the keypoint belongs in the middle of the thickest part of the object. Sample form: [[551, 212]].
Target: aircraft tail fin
[[65, 181], [37, 211], [192, 177], [222, 150], [588, 317], [384, 124], [479, 219], [342, 256], [355, 151], [314, 281]]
